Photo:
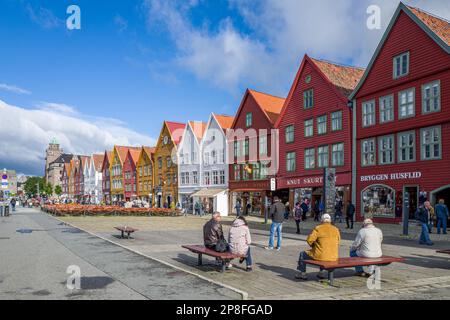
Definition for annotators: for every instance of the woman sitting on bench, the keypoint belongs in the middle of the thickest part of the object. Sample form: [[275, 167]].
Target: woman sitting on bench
[[239, 241]]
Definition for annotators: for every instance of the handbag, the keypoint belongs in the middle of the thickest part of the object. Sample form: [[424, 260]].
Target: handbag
[[221, 245]]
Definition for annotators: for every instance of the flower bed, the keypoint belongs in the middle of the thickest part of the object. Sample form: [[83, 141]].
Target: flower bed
[[89, 210]]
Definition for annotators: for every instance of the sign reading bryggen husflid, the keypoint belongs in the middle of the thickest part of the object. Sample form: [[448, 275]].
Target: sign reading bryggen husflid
[[402, 118]]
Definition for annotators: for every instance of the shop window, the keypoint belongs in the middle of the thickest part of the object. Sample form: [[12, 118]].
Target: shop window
[[378, 201], [264, 170]]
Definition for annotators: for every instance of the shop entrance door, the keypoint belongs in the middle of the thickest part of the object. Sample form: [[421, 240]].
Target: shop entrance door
[[413, 192]]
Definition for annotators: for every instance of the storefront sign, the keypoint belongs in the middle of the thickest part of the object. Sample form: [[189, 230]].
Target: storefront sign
[[273, 184], [392, 176]]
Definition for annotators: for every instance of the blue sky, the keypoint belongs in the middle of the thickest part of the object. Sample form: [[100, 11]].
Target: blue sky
[[135, 63]]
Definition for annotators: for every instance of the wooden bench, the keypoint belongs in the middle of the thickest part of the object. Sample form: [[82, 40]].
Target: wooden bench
[[223, 257], [444, 251], [127, 230], [352, 262]]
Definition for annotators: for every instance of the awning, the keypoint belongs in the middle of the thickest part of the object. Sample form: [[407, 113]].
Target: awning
[[208, 192]]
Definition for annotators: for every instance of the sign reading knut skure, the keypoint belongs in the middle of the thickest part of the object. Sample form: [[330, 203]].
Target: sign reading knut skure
[[392, 176]]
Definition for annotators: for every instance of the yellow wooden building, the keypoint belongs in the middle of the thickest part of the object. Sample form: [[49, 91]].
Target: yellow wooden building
[[144, 174], [166, 165], [118, 157]]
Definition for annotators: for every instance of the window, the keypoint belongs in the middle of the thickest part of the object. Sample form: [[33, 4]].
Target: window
[[264, 169], [248, 120], [194, 177], [431, 97], [140, 171], [256, 171], [246, 147], [368, 152], [386, 150], [237, 172], [322, 156], [169, 162], [222, 177], [221, 156], [401, 65], [378, 201], [338, 154], [310, 158], [322, 125], [309, 128], [245, 172], [406, 146], [183, 178], [308, 99], [206, 159], [386, 109], [263, 145], [236, 149], [214, 156], [159, 163], [406, 103], [289, 134], [368, 113], [290, 161], [188, 178], [207, 178], [336, 121], [215, 177], [169, 179], [431, 143]]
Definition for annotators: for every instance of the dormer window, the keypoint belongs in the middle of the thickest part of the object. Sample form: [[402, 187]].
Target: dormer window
[[401, 65]]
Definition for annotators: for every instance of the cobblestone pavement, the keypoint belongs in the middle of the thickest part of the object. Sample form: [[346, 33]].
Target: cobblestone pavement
[[36, 250], [425, 274]]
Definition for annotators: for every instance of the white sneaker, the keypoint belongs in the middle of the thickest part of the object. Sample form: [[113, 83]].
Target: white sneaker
[[229, 266], [268, 248], [278, 249]]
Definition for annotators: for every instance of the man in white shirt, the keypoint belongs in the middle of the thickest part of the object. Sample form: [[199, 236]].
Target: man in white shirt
[[367, 244]]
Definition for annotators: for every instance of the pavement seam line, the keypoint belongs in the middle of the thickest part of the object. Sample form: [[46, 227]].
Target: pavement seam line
[[243, 294]]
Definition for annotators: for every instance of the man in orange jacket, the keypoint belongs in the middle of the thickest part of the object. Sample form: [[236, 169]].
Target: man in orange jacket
[[324, 242]]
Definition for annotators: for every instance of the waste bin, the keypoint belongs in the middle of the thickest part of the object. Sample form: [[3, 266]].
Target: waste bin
[[1, 209], [6, 210]]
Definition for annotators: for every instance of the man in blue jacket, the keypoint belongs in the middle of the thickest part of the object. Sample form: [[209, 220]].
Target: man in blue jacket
[[441, 216], [423, 215]]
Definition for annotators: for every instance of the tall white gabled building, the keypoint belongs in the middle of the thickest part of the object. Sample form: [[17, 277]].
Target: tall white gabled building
[[213, 195], [189, 164], [93, 179]]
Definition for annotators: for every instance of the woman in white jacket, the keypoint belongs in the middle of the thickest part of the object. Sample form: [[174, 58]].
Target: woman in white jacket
[[239, 241]]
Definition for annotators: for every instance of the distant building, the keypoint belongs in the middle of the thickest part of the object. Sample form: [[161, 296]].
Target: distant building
[[8, 182], [54, 163]]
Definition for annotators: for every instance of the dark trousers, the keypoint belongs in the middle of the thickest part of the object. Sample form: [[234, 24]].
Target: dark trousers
[[349, 220], [297, 222]]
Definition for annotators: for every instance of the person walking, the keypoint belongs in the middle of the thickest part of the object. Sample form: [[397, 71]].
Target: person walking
[[277, 216], [13, 204], [442, 214], [238, 208], [239, 240], [367, 244], [338, 211], [298, 212], [423, 215], [305, 209], [432, 216], [287, 210], [350, 214], [324, 242]]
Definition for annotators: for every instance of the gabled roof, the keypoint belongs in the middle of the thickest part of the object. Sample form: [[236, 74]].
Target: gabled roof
[[122, 151], [106, 158], [63, 158], [98, 161], [198, 128], [134, 154], [224, 121], [438, 25], [436, 28], [150, 151], [67, 168], [173, 127], [344, 78], [270, 105]]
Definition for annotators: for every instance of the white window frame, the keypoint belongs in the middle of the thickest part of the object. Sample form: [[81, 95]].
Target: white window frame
[[291, 162], [309, 127], [308, 98], [423, 145], [381, 149], [400, 105], [310, 156], [322, 124], [394, 65], [340, 152], [372, 152], [400, 148], [320, 154], [291, 133], [336, 120], [384, 110], [366, 116], [438, 97]]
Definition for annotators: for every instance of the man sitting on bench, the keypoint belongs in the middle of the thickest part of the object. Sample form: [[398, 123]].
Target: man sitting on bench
[[324, 241], [367, 245], [213, 237]]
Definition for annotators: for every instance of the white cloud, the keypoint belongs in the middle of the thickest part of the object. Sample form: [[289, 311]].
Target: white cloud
[[13, 89], [56, 107], [279, 33], [25, 133]]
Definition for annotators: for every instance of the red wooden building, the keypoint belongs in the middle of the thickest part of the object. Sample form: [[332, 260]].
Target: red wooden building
[[315, 130], [251, 153], [129, 174], [402, 113], [106, 177]]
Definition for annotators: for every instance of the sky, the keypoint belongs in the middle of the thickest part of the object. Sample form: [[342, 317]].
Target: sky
[[135, 63]]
